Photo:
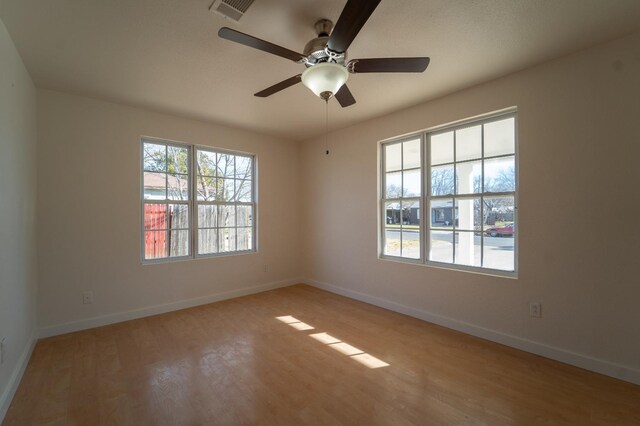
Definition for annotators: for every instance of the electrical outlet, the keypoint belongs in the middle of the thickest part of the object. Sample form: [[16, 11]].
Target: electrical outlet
[[265, 268], [2, 350], [87, 297], [535, 309]]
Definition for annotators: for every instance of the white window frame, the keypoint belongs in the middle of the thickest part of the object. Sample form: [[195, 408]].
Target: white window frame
[[425, 191], [401, 199], [251, 203], [193, 202]]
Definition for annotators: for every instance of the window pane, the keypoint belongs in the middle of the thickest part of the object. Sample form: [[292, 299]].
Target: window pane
[[468, 250], [155, 244], [179, 244], [177, 160], [232, 239], [207, 216], [469, 143], [469, 177], [499, 253], [442, 213], [206, 188], [206, 163], [411, 243], [392, 213], [441, 246], [499, 215], [244, 215], [179, 218], [411, 229], [155, 186], [393, 157], [227, 215], [442, 148], [442, 180], [499, 230], [412, 183], [392, 242], [411, 154], [393, 185], [500, 175], [207, 241], [243, 191], [154, 157], [178, 187], [468, 214], [243, 167], [227, 239], [226, 165], [155, 217], [499, 137], [244, 239], [411, 214], [226, 188]]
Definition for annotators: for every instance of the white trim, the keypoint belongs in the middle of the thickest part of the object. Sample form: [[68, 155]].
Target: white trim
[[16, 376], [84, 324], [607, 368]]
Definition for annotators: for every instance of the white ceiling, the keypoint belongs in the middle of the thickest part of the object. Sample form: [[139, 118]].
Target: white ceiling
[[165, 54]]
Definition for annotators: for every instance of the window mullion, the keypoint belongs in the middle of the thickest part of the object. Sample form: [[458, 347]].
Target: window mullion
[[193, 230], [424, 227], [455, 192], [482, 197]]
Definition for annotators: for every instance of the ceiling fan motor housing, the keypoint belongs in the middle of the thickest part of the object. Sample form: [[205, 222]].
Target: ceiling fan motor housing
[[316, 51]]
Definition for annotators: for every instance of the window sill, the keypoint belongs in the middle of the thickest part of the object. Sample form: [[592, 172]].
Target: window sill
[[197, 257], [452, 267]]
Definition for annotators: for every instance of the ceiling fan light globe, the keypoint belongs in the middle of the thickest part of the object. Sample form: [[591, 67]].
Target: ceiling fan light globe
[[325, 77]]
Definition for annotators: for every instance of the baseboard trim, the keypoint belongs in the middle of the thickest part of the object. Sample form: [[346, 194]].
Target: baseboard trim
[[607, 368], [16, 376], [99, 321]]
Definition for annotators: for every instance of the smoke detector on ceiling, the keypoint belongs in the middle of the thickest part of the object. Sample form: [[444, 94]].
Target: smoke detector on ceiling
[[232, 9]]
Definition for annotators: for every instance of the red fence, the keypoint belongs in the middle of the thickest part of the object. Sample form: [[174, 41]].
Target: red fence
[[155, 242]]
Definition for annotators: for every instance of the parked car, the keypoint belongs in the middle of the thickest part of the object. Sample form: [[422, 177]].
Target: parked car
[[501, 231]]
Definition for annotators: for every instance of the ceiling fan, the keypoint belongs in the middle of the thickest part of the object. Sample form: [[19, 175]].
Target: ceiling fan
[[326, 55]]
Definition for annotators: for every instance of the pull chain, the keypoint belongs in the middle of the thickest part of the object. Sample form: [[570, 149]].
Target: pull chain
[[326, 126]]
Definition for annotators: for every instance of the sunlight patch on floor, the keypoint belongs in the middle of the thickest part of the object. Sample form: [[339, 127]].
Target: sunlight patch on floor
[[287, 319], [334, 343], [295, 323], [345, 348], [325, 338]]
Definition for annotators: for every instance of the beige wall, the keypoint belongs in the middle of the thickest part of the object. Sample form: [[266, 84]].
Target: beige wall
[[17, 214], [89, 215], [579, 142]]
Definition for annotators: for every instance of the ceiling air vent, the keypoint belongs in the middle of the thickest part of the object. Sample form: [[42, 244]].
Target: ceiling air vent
[[232, 9]]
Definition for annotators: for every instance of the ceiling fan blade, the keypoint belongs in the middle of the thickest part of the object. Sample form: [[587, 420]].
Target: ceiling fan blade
[[280, 86], [388, 65], [259, 44], [344, 97], [353, 17]]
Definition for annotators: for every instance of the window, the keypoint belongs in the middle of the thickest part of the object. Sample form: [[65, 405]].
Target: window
[[196, 201], [402, 194], [225, 202], [469, 205]]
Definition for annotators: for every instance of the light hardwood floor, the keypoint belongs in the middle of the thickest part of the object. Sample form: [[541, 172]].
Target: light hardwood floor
[[235, 362]]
